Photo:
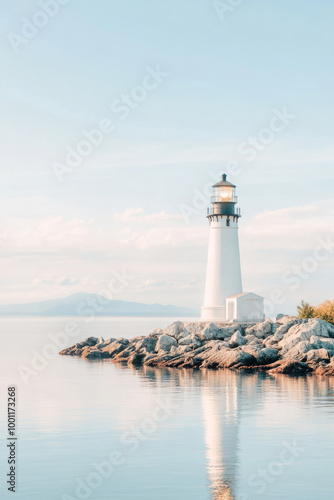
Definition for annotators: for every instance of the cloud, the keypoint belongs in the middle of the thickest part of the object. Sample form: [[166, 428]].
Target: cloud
[[295, 228], [138, 215], [172, 237], [49, 233], [151, 283]]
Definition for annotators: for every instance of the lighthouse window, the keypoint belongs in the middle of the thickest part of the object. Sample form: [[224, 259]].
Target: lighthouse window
[[228, 222]]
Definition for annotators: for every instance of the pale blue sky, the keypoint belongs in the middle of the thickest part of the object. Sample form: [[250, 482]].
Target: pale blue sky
[[225, 79]]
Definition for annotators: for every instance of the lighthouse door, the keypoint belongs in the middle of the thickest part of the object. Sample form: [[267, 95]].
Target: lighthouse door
[[230, 311]]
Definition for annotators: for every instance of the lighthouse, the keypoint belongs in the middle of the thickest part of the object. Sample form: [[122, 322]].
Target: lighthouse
[[224, 299]]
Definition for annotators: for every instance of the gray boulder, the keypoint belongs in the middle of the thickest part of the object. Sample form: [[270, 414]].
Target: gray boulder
[[183, 349], [267, 356], [96, 354], [283, 329], [149, 344], [196, 328], [174, 329], [303, 331], [292, 368], [237, 340], [221, 357], [253, 349], [91, 341], [156, 333], [322, 343], [211, 332], [115, 348], [261, 330], [196, 340], [317, 355], [298, 353], [185, 333], [185, 341], [105, 343], [165, 343]]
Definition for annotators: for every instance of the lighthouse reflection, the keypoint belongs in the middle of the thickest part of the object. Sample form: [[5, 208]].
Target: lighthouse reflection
[[220, 398]]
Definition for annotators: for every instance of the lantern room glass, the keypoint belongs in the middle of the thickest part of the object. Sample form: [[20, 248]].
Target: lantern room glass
[[223, 194]]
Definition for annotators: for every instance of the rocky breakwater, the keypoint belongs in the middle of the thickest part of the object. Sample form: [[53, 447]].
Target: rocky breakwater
[[288, 346]]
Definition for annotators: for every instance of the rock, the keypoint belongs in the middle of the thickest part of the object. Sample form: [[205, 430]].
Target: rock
[[279, 316], [196, 328], [105, 343], [322, 343], [237, 340], [267, 356], [283, 329], [186, 341], [211, 332], [115, 348], [156, 333], [271, 343], [227, 332], [326, 369], [220, 356], [298, 353], [251, 339], [175, 329], [317, 355], [287, 319], [125, 353], [184, 334], [290, 346], [253, 349], [149, 344], [214, 332], [330, 329], [96, 354], [193, 340], [136, 359], [165, 343], [91, 341], [303, 331], [292, 368], [183, 349], [196, 340], [261, 330]]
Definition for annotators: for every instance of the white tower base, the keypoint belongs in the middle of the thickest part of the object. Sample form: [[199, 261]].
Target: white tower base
[[223, 277]]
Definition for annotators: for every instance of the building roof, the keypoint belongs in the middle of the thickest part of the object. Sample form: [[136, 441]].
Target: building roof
[[224, 182], [243, 294]]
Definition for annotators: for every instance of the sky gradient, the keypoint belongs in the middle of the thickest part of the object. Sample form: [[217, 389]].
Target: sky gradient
[[137, 201]]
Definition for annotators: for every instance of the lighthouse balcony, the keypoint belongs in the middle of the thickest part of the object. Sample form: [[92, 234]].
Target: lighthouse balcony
[[227, 211]]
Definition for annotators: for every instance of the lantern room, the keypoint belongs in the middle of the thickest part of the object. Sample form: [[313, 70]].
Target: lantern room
[[224, 192], [224, 199]]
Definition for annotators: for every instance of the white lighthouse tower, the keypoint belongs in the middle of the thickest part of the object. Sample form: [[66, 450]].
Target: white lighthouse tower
[[224, 300]]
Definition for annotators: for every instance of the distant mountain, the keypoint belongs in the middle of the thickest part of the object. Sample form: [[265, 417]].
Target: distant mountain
[[87, 304]]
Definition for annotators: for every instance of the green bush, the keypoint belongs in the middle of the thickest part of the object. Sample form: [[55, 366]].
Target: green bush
[[324, 311], [306, 311]]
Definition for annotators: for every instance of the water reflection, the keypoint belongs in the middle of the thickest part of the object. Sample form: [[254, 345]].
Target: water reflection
[[221, 429], [227, 398]]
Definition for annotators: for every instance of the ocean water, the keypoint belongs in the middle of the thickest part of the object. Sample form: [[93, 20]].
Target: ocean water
[[92, 429]]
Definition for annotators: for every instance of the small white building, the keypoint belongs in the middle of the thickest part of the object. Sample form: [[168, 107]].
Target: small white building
[[245, 307]]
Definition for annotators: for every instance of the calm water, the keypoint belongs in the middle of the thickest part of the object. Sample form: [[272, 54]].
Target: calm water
[[159, 434]]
